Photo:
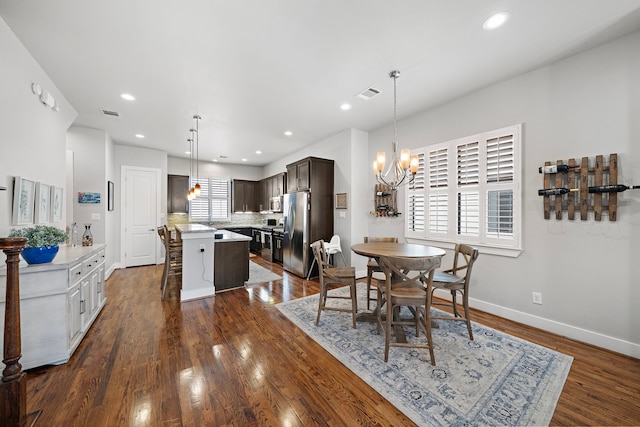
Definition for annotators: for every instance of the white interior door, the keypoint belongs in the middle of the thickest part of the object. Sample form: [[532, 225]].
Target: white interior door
[[141, 216]]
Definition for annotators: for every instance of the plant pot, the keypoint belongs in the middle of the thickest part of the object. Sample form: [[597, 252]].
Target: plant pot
[[40, 255]]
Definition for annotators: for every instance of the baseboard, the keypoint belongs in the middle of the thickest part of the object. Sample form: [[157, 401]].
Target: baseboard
[[569, 331], [111, 269]]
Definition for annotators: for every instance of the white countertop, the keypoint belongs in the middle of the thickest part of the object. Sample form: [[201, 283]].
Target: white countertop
[[194, 228], [230, 236], [66, 255]]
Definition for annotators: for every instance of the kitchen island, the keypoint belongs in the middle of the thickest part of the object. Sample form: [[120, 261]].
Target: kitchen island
[[212, 260]]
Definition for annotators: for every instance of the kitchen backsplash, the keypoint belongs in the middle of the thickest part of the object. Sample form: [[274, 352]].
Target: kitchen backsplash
[[236, 219]]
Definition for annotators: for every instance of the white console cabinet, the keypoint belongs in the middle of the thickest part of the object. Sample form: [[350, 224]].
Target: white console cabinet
[[59, 302]]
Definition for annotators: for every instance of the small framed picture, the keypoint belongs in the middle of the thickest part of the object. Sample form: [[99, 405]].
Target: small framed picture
[[56, 203], [24, 191], [43, 203], [93, 198], [341, 201], [110, 195]]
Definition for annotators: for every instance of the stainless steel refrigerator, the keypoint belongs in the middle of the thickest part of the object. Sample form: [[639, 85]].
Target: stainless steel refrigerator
[[295, 244]]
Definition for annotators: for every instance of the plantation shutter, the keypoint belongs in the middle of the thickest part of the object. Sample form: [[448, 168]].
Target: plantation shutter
[[199, 206], [438, 186], [213, 202], [467, 177], [416, 197], [219, 198], [500, 171]]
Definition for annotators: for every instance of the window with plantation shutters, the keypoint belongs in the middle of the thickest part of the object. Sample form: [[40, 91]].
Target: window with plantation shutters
[[213, 202], [472, 192]]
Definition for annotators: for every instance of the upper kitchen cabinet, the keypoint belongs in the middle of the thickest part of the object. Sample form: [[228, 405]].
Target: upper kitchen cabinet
[[177, 188], [244, 196], [308, 173], [279, 184]]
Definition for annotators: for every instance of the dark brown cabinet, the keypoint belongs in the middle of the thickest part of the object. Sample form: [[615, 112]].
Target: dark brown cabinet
[[177, 188], [298, 175], [279, 184], [268, 188], [231, 265], [244, 196]]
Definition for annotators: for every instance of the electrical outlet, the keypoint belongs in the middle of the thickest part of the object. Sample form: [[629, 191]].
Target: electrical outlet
[[537, 297], [201, 248]]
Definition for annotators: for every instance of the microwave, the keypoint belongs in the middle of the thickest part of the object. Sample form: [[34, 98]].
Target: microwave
[[275, 204]]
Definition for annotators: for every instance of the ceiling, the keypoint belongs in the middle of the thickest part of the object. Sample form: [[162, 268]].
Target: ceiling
[[253, 69]]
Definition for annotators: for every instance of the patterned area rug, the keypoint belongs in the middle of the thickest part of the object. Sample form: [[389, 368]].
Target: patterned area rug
[[496, 379], [259, 275]]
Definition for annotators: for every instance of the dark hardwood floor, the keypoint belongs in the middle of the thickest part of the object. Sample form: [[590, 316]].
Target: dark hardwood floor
[[234, 360]]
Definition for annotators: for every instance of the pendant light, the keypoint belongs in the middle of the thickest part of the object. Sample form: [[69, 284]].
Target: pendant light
[[196, 188], [403, 167]]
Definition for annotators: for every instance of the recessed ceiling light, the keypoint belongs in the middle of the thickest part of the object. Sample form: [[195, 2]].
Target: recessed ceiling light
[[495, 21], [345, 107], [258, 152], [139, 135], [215, 160], [244, 160], [187, 152], [288, 133], [128, 97]]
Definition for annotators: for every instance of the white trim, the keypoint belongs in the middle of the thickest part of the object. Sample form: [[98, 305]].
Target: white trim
[[563, 329]]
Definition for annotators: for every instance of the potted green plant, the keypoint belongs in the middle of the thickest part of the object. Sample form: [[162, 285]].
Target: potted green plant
[[42, 242]]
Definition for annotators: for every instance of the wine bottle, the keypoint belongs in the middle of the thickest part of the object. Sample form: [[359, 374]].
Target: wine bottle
[[556, 168], [382, 194], [618, 188], [556, 191]]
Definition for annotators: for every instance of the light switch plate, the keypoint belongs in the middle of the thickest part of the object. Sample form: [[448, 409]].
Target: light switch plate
[[95, 217], [343, 214]]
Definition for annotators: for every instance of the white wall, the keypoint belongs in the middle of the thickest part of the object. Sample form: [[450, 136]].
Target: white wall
[[586, 105], [180, 166], [32, 136], [89, 175]]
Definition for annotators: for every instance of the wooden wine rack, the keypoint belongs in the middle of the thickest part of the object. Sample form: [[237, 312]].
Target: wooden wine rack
[[385, 205], [603, 173]]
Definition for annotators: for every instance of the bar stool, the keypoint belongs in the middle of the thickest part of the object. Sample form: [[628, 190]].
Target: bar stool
[[172, 257]]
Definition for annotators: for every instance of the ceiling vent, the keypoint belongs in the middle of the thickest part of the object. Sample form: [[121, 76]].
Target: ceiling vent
[[109, 113], [369, 93]]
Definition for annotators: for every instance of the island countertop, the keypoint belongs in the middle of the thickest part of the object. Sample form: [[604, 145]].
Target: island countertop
[[200, 231]]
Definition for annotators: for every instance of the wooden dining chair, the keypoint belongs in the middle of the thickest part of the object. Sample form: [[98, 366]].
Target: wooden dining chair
[[456, 280], [172, 257], [373, 267], [332, 278], [408, 283]]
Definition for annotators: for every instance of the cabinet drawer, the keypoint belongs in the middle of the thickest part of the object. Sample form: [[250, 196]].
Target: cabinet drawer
[[89, 264], [75, 273], [102, 257]]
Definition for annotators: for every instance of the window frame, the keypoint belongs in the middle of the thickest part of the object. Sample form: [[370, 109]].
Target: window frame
[[509, 245], [207, 185]]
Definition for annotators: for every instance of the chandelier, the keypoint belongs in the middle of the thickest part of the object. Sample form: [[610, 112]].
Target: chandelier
[[194, 145], [404, 167]]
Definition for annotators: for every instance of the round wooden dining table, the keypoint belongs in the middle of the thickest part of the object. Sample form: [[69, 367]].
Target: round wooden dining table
[[408, 250]]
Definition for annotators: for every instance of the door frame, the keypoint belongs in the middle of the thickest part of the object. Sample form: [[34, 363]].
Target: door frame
[[123, 211]]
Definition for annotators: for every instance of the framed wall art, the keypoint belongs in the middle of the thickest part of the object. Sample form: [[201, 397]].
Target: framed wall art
[[23, 200], [89, 198], [56, 203], [341, 201], [43, 203]]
